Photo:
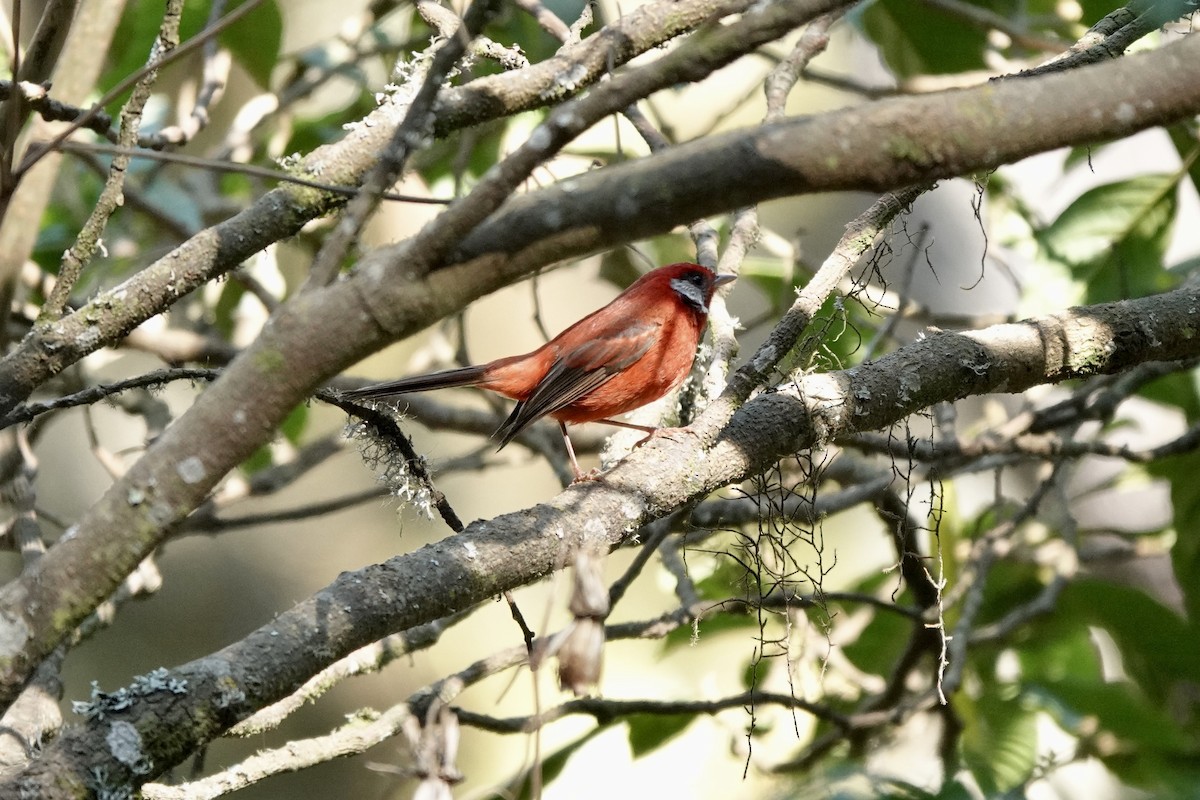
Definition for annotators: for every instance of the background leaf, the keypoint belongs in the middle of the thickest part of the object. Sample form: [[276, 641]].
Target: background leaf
[[1114, 237]]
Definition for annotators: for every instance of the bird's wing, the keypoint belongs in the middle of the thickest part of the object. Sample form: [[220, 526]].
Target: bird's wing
[[575, 374]]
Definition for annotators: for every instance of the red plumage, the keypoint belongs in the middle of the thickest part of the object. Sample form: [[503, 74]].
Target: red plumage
[[621, 357]]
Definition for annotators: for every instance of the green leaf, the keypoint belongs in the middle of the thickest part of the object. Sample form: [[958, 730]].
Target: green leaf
[[879, 645], [1180, 472], [552, 765], [310, 133], [254, 40], [1183, 136], [924, 42], [1096, 10], [1179, 389], [1159, 650], [726, 574], [1118, 707], [1010, 584], [1058, 649], [954, 790], [1176, 778], [226, 306], [292, 427], [774, 276], [648, 732], [1114, 237], [131, 43], [999, 741], [840, 327], [445, 154], [850, 779]]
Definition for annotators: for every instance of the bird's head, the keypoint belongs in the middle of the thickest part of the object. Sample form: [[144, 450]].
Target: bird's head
[[693, 283]]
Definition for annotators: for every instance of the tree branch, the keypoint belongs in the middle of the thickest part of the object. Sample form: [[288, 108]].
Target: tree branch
[[211, 694], [323, 331], [283, 211]]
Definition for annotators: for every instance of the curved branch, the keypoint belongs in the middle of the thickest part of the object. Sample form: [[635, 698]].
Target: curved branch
[[513, 549], [310, 338], [888, 144], [321, 332], [282, 212]]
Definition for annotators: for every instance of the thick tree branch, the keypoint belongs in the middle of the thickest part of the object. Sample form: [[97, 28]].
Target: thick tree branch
[[884, 145], [285, 365], [200, 699], [323, 331], [285, 210]]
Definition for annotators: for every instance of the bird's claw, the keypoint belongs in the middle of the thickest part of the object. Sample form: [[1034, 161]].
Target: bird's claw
[[593, 474]]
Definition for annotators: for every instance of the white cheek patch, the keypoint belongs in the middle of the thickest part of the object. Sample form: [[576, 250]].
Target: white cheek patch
[[690, 292]]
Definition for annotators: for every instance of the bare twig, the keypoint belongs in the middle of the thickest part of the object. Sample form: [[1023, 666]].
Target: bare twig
[[546, 18], [407, 139], [215, 74], [88, 241], [239, 169], [1111, 36], [861, 234], [36, 153], [92, 394], [365, 660], [783, 77]]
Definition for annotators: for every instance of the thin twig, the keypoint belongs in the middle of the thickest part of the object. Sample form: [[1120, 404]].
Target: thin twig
[[365, 660], [1111, 36], [860, 236], [28, 411], [238, 169], [410, 136], [783, 77], [36, 153], [88, 240], [214, 76]]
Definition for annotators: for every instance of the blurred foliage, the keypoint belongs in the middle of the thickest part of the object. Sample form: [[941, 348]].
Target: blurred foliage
[[1114, 237], [1134, 706], [254, 40]]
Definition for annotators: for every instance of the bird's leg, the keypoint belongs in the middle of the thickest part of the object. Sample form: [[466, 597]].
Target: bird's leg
[[646, 429], [629, 425], [562, 426], [649, 431]]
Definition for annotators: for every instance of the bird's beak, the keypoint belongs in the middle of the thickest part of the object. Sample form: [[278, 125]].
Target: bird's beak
[[721, 280]]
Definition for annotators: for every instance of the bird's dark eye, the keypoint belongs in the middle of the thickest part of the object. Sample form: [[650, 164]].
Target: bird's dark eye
[[694, 278]]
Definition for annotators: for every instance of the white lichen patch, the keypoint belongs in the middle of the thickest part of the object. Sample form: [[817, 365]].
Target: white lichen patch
[[191, 470], [14, 634], [125, 743], [632, 508], [540, 139]]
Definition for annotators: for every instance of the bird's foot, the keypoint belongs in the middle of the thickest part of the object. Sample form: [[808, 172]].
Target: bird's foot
[[593, 474], [676, 434]]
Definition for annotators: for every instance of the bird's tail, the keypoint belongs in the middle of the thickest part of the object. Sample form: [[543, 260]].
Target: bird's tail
[[463, 376]]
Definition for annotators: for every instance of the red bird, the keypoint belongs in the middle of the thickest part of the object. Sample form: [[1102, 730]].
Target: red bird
[[621, 357]]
